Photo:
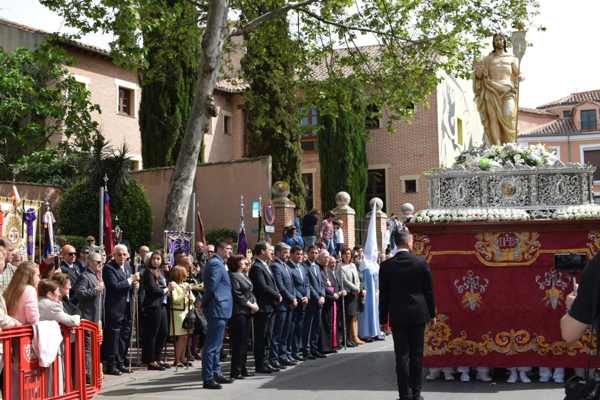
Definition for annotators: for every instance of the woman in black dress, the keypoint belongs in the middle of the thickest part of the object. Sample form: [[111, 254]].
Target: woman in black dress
[[154, 312], [244, 305]]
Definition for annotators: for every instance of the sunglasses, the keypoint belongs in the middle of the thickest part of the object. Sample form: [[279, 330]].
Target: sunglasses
[[71, 254]]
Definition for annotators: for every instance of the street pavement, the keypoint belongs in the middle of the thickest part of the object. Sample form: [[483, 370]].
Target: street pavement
[[349, 375]]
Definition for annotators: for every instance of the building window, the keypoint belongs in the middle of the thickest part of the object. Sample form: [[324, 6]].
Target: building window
[[588, 120], [410, 186], [567, 114], [308, 187], [376, 187], [372, 118], [125, 101], [459, 131], [310, 121], [593, 157], [227, 124]]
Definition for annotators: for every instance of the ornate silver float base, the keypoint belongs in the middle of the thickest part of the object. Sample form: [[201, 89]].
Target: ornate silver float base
[[542, 188]]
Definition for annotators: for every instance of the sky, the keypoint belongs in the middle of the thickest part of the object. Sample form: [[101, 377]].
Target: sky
[[562, 60]]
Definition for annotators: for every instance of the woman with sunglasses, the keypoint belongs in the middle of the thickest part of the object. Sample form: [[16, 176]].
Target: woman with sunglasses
[[154, 312]]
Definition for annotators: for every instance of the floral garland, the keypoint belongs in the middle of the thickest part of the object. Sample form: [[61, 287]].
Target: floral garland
[[508, 155], [586, 211]]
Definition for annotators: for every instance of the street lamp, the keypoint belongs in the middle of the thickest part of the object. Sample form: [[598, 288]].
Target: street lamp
[[519, 45]]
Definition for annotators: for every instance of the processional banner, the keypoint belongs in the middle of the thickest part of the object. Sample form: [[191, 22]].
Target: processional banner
[[174, 241], [19, 224]]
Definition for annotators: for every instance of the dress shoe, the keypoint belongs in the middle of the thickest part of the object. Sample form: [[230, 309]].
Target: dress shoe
[[165, 365], [247, 374], [291, 362], [113, 371], [155, 367], [309, 356], [211, 385], [319, 355], [351, 344], [298, 357], [222, 379], [264, 370], [236, 376], [276, 365], [124, 369]]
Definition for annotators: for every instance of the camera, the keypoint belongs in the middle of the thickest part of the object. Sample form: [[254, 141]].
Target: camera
[[570, 262]]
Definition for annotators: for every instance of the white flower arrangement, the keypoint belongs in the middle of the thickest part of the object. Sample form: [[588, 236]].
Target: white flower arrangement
[[508, 155], [443, 216], [435, 216], [585, 211]]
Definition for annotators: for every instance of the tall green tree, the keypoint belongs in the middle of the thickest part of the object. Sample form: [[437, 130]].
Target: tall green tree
[[342, 142], [272, 107], [160, 39], [40, 102]]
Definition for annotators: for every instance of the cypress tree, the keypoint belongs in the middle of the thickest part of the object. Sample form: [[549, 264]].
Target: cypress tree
[[342, 147], [272, 108], [167, 87]]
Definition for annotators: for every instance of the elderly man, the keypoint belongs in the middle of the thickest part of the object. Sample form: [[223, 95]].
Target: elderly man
[[7, 270], [69, 264], [119, 283], [88, 289]]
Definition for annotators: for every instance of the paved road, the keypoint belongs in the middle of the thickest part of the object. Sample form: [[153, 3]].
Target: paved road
[[350, 375]]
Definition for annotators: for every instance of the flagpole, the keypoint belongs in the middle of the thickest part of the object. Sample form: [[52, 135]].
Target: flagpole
[[101, 201], [259, 216]]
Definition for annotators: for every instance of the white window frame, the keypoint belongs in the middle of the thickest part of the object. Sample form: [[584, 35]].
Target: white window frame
[[582, 149], [405, 178], [83, 79], [386, 167], [135, 88]]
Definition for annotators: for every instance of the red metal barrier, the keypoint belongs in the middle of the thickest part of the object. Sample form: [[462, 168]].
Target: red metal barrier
[[24, 379]]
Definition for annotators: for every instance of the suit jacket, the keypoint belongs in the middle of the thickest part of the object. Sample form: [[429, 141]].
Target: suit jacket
[[300, 280], [217, 300], [53, 311], [315, 281], [285, 285], [118, 292], [242, 288], [265, 288], [405, 291], [84, 292], [154, 294], [73, 272]]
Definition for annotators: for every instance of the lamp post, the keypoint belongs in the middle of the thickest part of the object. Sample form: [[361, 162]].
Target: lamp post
[[519, 45]]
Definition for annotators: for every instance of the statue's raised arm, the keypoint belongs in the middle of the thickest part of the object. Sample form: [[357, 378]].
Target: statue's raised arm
[[496, 80]]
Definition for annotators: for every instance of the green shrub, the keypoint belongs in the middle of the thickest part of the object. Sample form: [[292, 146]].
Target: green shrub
[[75, 241], [78, 212], [214, 235]]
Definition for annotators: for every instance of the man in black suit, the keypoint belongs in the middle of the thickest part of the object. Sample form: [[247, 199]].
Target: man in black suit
[[69, 265], [312, 321], [301, 291], [406, 298], [118, 282], [267, 297]]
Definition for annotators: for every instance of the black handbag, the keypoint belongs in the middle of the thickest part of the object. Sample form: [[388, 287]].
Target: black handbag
[[191, 320]]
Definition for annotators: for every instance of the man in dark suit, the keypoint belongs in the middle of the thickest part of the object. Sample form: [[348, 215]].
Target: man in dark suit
[[267, 296], [217, 302], [118, 284], [69, 264], [283, 311], [301, 291], [312, 322], [406, 298]]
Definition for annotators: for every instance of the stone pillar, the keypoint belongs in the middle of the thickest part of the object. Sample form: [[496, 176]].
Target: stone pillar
[[380, 222], [347, 215], [283, 209]]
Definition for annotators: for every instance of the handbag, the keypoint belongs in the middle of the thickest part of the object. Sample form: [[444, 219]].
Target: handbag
[[191, 320]]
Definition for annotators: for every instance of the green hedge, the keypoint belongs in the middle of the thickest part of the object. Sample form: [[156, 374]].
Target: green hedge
[[78, 212], [75, 241], [214, 235]]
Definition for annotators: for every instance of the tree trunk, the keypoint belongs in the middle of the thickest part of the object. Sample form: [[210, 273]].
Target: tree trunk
[[185, 170]]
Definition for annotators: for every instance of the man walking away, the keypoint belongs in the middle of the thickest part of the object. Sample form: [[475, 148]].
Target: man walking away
[[406, 297]]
